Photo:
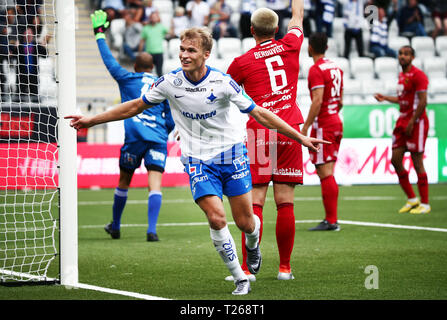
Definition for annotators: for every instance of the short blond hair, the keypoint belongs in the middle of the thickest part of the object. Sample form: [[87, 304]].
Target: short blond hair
[[264, 22], [203, 34]]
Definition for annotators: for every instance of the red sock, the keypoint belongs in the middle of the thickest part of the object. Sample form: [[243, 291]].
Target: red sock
[[329, 191], [285, 234], [405, 184], [423, 187], [257, 209]]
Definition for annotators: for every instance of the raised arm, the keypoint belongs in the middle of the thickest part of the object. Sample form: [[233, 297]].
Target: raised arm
[[297, 14], [271, 121], [122, 111]]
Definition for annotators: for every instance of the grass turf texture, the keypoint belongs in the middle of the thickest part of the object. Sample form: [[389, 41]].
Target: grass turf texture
[[327, 265]]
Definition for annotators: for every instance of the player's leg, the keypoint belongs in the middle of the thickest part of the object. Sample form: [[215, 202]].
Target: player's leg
[[223, 241], [258, 193], [119, 202], [154, 202], [285, 226], [418, 162], [397, 162], [155, 161]]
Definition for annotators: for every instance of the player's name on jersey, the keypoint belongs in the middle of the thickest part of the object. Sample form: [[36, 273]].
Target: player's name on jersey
[[269, 52]]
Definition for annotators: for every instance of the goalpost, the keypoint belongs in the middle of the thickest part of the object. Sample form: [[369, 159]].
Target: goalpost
[[38, 154]]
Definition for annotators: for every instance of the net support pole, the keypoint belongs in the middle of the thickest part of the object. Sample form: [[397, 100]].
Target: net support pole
[[66, 76]]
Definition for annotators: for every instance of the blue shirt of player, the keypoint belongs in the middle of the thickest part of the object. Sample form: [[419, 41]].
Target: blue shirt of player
[[152, 124]]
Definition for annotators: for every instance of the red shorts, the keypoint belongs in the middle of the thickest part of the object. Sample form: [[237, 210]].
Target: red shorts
[[274, 157], [328, 152], [415, 142]]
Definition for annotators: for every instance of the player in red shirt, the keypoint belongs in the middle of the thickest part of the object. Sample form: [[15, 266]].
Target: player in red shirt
[[269, 74], [325, 82], [410, 132]]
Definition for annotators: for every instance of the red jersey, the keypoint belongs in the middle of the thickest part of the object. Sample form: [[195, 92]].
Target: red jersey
[[410, 83], [269, 75], [325, 74]]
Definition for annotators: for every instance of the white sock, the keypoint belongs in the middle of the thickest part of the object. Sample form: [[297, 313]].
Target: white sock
[[413, 199], [225, 246], [252, 239]]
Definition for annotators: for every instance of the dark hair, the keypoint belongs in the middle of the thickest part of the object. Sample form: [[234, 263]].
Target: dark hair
[[318, 42], [413, 53]]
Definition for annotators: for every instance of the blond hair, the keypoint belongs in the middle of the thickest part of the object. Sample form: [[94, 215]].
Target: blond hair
[[203, 34], [264, 22]]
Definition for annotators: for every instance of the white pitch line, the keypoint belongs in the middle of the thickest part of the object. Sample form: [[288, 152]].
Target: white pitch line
[[358, 223], [171, 201]]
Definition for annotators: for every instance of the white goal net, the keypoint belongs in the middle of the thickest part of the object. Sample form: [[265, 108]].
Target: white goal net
[[29, 141]]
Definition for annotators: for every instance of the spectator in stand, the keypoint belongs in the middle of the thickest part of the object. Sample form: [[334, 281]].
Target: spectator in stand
[[152, 38], [307, 28], [378, 43], [31, 10], [247, 8], [353, 21], [29, 51], [411, 19], [148, 9], [179, 23], [439, 15], [132, 35], [114, 9], [325, 11], [198, 12], [137, 9], [220, 23], [281, 8]]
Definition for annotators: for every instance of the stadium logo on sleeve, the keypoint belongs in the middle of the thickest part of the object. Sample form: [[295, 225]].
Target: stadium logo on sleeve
[[235, 86]]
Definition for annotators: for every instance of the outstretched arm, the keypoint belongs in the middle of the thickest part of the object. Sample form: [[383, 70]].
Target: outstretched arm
[[297, 14], [122, 111], [271, 121], [380, 97]]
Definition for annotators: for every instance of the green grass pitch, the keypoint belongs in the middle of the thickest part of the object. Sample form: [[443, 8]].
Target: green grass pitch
[[184, 265]]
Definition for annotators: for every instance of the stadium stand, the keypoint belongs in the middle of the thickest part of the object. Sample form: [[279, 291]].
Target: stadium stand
[[362, 68], [424, 46], [435, 68], [386, 68], [228, 48]]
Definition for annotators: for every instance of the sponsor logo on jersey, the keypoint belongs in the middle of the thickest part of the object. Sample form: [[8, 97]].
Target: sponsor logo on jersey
[[211, 98], [240, 163], [195, 89], [199, 116], [178, 82], [156, 155], [194, 169]]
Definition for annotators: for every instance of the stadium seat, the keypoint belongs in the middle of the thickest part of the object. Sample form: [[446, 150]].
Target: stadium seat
[[220, 64], [424, 46], [228, 47], [390, 87], [164, 7], [247, 44], [393, 29], [362, 68], [352, 87], [303, 88], [170, 65], [166, 19], [435, 67], [234, 4], [438, 90], [304, 46], [417, 62], [305, 64], [343, 64], [214, 50], [386, 68], [338, 26], [396, 42], [117, 27], [234, 19], [441, 46], [332, 49], [173, 48], [372, 86]]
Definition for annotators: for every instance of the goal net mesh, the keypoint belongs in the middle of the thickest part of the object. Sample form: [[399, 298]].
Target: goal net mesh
[[29, 213]]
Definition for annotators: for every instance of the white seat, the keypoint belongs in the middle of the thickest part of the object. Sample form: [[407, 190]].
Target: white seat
[[343, 64], [386, 68], [174, 48], [332, 49], [166, 19], [229, 47], [235, 18], [372, 86], [117, 27], [435, 67], [397, 42], [234, 4], [305, 64], [352, 87], [219, 64], [170, 65], [304, 46], [362, 68], [441, 46], [417, 62], [390, 87], [438, 87], [247, 44], [164, 7], [424, 46]]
